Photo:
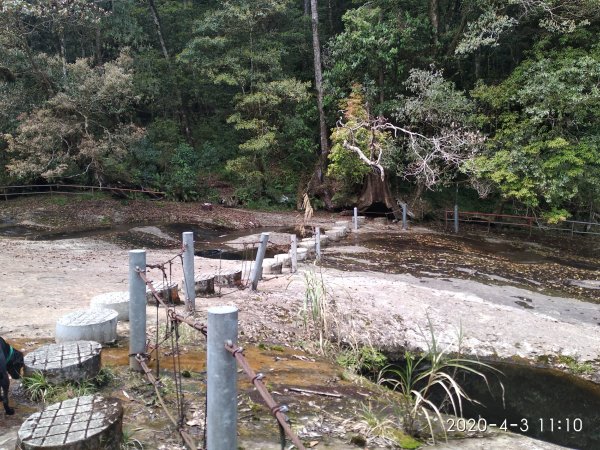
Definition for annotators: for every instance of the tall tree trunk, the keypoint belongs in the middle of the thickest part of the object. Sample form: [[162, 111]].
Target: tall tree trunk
[[182, 110], [62, 51], [158, 26], [434, 17], [98, 55], [306, 7], [319, 175]]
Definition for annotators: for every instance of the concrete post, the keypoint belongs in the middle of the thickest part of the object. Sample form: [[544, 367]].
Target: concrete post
[[318, 243], [256, 273], [137, 307], [221, 370], [188, 270], [355, 218], [404, 221], [294, 255], [456, 218]]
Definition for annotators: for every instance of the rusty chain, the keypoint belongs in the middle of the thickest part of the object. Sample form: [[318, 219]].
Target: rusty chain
[[148, 372], [277, 410]]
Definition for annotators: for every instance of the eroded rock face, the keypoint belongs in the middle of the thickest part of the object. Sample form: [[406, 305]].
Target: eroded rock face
[[90, 422]]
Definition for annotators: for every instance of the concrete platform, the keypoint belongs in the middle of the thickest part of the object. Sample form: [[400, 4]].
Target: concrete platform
[[343, 231], [271, 266], [284, 259], [301, 253], [308, 244], [344, 224], [204, 284], [99, 325], [334, 235], [169, 292], [83, 423], [231, 277], [69, 361], [118, 301]]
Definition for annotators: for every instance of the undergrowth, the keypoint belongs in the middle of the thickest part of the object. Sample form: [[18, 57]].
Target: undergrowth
[[40, 389]]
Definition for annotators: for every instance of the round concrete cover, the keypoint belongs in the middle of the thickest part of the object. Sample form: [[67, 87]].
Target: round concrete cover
[[89, 422], [118, 301], [85, 317], [75, 361], [98, 325]]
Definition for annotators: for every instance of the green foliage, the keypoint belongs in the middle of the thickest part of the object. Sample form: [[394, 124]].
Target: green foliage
[[345, 165], [362, 360], [316, 309], [417, 378], [576, 366], [40, 389], [128, 441], [544, 149], [81, 131], [184, 171], [373, 47]]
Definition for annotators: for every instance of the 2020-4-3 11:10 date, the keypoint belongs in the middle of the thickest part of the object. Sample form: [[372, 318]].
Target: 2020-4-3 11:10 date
[[523, 425]]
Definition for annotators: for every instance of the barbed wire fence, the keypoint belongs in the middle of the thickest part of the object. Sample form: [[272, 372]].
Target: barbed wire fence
[[140, 356]]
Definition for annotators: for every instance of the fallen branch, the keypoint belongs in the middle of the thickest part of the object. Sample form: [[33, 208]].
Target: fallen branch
[[308, 391]]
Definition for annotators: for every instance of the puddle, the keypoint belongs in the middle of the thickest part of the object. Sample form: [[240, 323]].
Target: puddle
[[543, 403]]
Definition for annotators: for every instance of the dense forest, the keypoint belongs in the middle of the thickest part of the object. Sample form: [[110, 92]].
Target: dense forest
[[268, 100]]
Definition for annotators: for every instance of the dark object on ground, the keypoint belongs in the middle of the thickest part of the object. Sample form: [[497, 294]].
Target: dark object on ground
[[11, 362]]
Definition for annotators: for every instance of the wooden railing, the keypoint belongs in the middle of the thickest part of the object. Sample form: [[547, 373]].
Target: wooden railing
[[570, 226], [69, 189]]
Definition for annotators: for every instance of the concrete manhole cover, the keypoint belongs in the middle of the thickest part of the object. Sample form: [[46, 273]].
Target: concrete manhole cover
[[82, 423], [69, 361]]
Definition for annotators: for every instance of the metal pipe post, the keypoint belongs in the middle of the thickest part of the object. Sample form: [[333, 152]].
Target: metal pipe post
[[294, 251], [355, 218], [256, 273], [318, 243], [456, 218], [188, 270], [404, 221], [137, 307], [221, 370]]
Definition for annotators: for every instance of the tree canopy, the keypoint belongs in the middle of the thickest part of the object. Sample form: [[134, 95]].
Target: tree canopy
[[196, 96]]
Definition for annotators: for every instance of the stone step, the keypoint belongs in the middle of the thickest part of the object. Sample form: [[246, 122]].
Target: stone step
[[70, 361], [301, 253], [204, 283], [118, 301], [99, 325], [169, 292], [308, 244], [271, 266], [347, 224], [284, 258], [229, 277], [88, 422], [342, 230], [334, 235]]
